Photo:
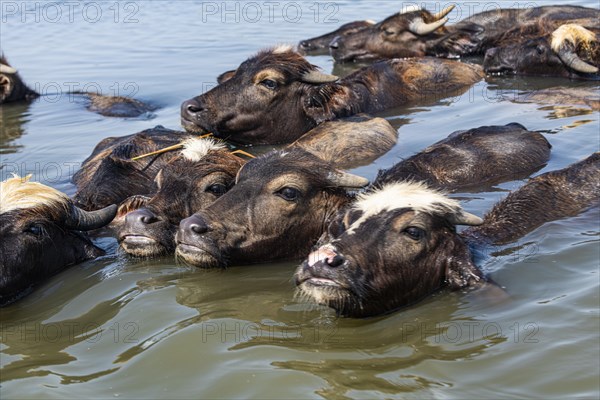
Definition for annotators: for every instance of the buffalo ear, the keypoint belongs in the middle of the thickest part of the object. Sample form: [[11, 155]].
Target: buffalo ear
[[325, 102], [225, 76], [461, 272]]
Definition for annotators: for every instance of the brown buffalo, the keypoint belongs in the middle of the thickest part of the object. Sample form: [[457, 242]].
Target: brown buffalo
[[277, 95], [421, 33], [571, 51], [41, 234], [398, 244], [188, 183]]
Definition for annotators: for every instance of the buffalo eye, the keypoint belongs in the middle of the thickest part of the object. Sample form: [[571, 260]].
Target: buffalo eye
[[415, 233], [389, 32], [289, 193], [269, 84], [336, 228], [35, 229], [217, 189], [540, 49]]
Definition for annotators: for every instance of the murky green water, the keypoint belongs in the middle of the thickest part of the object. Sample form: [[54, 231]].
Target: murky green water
[[117, 327]]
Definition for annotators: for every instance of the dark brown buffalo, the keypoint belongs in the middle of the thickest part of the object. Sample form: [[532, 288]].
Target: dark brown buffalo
[[12, 87], [41, 234], [276, 96], [420, 33], [399, 244], [469, 159], [278, 207], [320, 44], [109, 176], [571, 51], [187, 184]]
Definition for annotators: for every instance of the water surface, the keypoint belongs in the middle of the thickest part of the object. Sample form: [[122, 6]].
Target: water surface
[[120, 327]]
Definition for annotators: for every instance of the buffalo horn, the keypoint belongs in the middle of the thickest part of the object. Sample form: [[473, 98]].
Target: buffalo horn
[[464, 218], [572, 60], [443, 13], [315, 76], [82, 220], [6, 69], [419, 27], [346, 180]]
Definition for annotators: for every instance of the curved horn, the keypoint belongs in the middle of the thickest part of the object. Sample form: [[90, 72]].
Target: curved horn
[[318, 77], [572, 60], [419, 27], [564, 42], [7, 69], [87, 220], [443, 13], [346, 180], [464, 218]]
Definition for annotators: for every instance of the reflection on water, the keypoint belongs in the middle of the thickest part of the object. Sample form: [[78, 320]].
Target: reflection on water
[[131, 328]]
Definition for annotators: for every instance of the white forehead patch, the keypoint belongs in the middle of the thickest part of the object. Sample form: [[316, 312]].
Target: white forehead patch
[[195, 149], [283, 48], [414, 195], [18, 193]]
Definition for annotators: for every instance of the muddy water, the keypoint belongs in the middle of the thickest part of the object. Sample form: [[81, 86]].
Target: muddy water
[[118, 327]]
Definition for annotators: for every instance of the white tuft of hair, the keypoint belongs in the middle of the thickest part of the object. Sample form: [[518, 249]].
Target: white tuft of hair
[[18, 193], [415, 195], [194, 149], [572, 33], [283, 48]]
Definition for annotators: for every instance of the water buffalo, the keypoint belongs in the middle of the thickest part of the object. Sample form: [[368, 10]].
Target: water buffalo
[[398, 244], [283, 201], [12, 89], [571, 51], [277, 209], [109, 175], [469, 159], [320, 44], [420, 33], [277, 95], [40, 235], [188, 183]]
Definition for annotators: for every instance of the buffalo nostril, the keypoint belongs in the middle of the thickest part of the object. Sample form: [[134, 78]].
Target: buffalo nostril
[[304, 44], [334, 44], [191, 107], [335, 261], [195, 225], [141, 216]]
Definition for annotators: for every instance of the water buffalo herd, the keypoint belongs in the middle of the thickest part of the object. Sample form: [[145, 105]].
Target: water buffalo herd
[[368, 247]]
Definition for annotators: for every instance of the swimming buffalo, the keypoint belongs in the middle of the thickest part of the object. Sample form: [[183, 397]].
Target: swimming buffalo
[[571, 51], [188, 183], [41, 234], [398, 244], [420, 33], [277, 95]]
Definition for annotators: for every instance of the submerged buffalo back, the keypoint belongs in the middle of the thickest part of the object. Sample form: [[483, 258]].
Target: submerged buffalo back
[[547, 197], [479, 156]]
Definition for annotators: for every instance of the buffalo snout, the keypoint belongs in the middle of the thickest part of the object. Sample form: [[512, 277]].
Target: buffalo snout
[[190, 109], [140, 217]]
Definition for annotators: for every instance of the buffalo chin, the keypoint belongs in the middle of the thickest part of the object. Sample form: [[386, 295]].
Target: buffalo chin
[[192, 127], [196, 256], [142, 246]]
